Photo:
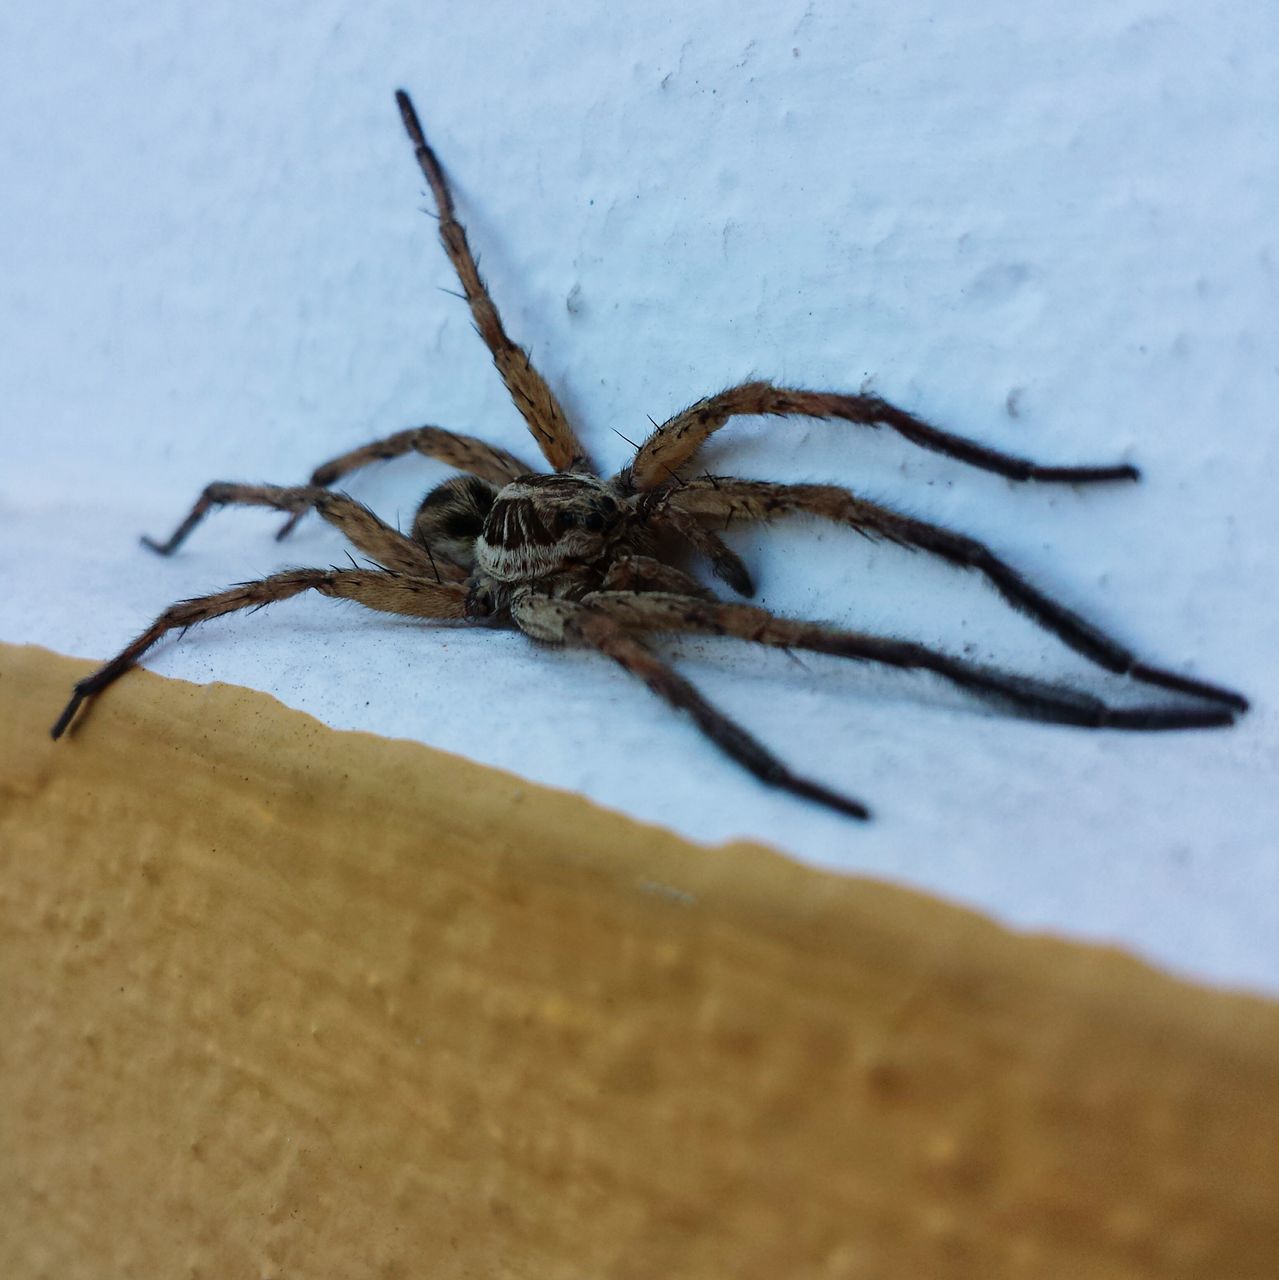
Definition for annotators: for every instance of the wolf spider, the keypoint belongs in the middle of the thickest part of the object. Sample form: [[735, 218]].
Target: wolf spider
[[573, 558]]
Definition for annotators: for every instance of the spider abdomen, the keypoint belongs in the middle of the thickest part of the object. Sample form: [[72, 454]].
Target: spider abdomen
[[452, 517]]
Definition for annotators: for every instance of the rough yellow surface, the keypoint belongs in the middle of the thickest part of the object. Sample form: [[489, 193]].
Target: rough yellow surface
[[280, 1001]]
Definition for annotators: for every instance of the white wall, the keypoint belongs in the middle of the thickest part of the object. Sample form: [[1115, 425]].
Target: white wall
[[1052, 229]]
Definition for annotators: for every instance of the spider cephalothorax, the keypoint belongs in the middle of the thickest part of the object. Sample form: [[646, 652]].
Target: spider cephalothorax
[[560, 531], [572, 558], [556, 534]]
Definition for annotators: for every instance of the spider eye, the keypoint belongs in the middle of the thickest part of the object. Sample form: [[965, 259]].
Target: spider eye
[[565, 520], [594, 522]]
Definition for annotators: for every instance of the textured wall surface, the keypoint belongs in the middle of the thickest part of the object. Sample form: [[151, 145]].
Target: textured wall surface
[[280, 1001], [1050, 227]]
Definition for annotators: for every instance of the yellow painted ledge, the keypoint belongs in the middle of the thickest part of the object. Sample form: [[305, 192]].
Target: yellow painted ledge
[[280, 1001]]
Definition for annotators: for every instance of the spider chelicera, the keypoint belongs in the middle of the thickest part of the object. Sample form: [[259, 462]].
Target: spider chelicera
[[573, 558]]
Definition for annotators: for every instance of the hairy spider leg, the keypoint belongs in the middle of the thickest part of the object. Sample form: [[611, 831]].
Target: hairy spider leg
[[466, 453], [368, 534], [528, 389], [644, 573], [729, 497], [725, 563], [1035, 698], [597, 629], [678, 439], [375, 589]]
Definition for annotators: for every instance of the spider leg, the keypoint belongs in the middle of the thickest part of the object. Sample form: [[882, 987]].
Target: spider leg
[[644, 573], [528, 389], [679, 438], [1035, 698], [387, 592], [368, 534], [562, 621], [760, 500], [726, 564], [466, 453]]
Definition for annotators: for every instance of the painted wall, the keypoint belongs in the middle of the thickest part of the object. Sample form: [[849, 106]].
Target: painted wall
[[1050, 229]]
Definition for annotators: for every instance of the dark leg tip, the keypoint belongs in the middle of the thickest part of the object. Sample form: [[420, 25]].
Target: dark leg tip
[[160, 548], [288, 526], [1209, 718], [1178, 718], [1165, 719], [68, 714], [849, 807], [409, 116], [1123, 471], [738, 579], [1188, 685]]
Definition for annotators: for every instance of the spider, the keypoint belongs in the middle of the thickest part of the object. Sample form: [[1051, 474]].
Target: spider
[[573, 558]]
